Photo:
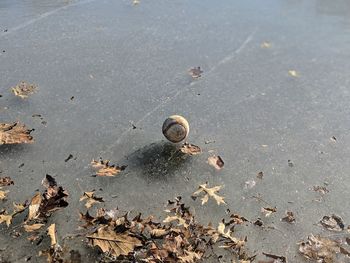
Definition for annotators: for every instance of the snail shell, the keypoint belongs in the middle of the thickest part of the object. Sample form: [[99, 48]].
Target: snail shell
[[175, 128]]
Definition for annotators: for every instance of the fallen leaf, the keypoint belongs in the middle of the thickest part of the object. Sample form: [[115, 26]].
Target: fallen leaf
[[216, 162], [190, 149], [91, 199], [209, 192], [170, 219], [51, 231], [14, 133], [266, 45], [289, 218], [5, 181], [278, 259], [34, 207], [32, 228], [114, 243], [3, 194], [268, 211], [190, 257], [159, 232], [319, 248], [333, 223], [260, 175], [24, 89], [6, 219], [195, 72], [293, 73], [105, 169], [237, 219], [321, 189]]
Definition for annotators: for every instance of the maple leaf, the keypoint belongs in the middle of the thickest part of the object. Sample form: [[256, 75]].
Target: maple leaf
[[91, 199], [14, 133], [24, 89], [209, 192], [112, 242], [105, 169]]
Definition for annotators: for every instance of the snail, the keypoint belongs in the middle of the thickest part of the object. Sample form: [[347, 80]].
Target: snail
[[175, 128]]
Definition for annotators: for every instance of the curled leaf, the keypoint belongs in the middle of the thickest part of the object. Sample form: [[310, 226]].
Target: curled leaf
[[216, 162], [190, 149], [333, 223], [5, 181], [195, 72]]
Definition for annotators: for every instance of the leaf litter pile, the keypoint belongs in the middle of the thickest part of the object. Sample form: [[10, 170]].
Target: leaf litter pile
[[179, 237]]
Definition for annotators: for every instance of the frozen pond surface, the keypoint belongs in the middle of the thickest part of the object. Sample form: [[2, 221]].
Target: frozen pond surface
[[127, 65]]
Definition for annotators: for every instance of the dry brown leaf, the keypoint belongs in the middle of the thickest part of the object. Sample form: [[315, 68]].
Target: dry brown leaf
[[195, 72], [319, 248], [112, 242], [14, 133], [289, 218], [209, 192], [170, 219], [5, 181], [34, 206], [268, 211], [105, 169], [159, 232], [260, 175], [333, 223], [19, 207], [51, 231], [91, 199], [277, 259], [216, 162], [3, 194], [190, 149], [24, 89], [6, 219], [32, 228], [190, 257], [320, 189]]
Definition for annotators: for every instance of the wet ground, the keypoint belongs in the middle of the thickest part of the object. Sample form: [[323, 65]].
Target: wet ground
[[127, 65]]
